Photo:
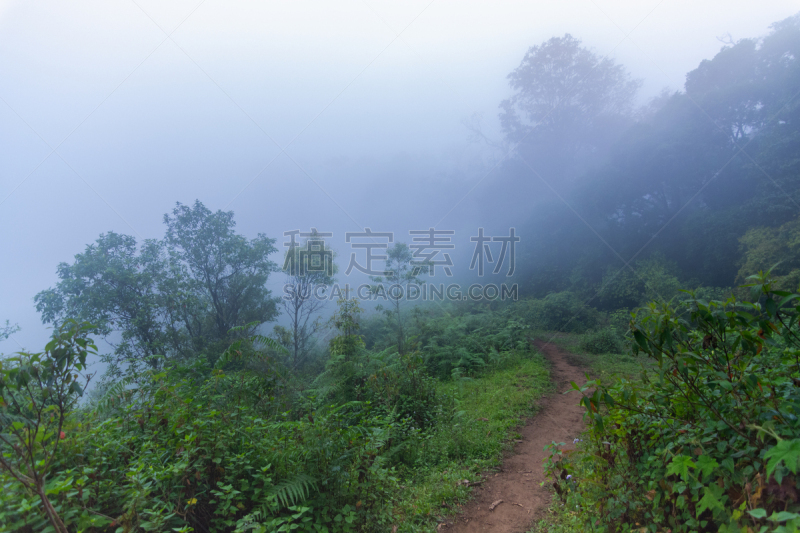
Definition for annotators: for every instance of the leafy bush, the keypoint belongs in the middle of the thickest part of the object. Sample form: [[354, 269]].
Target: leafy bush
[[605, 340], [246, 445], [180, 454], [559, 311], [37, 392], [708, 441], [653, 278]]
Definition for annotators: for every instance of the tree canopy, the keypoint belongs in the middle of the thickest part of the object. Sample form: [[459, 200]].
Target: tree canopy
[[568, 102], [687, 179], [173, 297]]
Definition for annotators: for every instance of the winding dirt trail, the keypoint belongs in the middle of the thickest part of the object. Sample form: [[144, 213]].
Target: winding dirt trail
[[559, 419]]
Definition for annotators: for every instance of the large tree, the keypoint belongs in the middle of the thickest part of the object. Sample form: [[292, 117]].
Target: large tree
[[174, 297], [227, 273], [568, 104]]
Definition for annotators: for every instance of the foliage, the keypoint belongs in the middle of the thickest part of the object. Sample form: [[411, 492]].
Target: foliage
[[604, 340], [776, 248], [346, 320], [309, 270], [182, 453], [393, 382], [177, 297], [648, 279], [8, 330], [687, 180], [402, 270], [559, 311], [244, 445], [227, 273], [37, 391], [454, 343], [707, 440], [117, 287], [567, 103]]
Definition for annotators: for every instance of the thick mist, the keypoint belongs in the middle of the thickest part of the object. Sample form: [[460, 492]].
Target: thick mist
[[294, 115]]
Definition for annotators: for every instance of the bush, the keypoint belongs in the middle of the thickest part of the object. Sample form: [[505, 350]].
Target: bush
[[559, 311], [709, 442], [605, 340]]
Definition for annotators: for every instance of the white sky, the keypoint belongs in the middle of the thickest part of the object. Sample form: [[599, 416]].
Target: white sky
[[140, 120]]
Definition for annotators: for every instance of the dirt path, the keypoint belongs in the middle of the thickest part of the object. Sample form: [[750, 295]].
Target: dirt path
[[559, 419]]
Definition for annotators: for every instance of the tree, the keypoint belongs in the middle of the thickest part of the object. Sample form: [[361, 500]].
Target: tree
[[8, 330], [347, 321], [401, 271], [174, 297], [346, 370], [309, 269], [688, 180], [568, 103], [227, 274], [117, 286]]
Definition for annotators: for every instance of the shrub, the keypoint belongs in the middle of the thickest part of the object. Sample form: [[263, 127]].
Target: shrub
[[709, 441], [605, 340], [559, 311]]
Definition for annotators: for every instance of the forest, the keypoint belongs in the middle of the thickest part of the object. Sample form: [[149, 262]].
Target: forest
[[669, 263]]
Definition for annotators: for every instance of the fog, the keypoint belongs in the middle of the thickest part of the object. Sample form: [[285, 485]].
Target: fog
[[338, 116]]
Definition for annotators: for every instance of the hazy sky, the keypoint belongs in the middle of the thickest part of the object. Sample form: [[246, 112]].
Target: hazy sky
[[293, 114]]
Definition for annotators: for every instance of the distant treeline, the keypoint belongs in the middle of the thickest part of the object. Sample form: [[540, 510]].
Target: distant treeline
[[685, 178]]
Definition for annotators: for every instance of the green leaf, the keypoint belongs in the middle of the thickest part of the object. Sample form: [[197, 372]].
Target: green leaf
[[787, 452], [706, 465], [680, 465], [641, 340], [758, 513], [787, 299], [710, 499], [783, 516], [772, 308]]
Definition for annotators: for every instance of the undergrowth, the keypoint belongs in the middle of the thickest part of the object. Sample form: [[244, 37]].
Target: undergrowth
[[706, 439]]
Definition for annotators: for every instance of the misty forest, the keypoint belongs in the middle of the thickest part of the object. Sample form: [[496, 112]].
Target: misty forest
[[198, 382]]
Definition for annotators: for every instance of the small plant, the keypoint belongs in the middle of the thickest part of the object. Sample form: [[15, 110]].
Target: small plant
[[557, 468]]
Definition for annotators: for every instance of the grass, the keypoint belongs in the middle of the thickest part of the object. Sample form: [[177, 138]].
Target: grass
[[489, 409], [602, 366], [559, 519]]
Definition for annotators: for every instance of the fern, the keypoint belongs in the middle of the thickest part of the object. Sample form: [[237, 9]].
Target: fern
[[234, 351], [115, 392], [247, 327], [270, 342], [260, 339], [294, 491]]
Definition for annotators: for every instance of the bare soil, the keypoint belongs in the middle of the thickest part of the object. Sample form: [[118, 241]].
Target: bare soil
[[517, 484]]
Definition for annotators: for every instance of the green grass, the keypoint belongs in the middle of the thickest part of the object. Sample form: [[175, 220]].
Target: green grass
[[602, 366], [490, 409], [470, 445], [558, 519]]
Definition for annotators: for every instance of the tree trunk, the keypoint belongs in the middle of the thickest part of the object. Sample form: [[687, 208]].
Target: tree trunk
[[50, 511]]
